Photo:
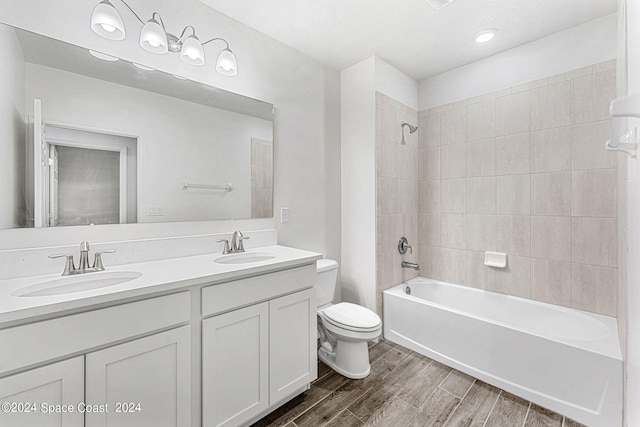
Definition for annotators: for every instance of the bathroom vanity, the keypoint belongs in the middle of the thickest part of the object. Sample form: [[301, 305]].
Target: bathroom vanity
[[202, 340]]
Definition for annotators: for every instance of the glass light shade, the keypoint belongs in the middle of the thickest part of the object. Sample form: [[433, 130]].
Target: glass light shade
[[153, 37], [192, 51], [107, 22], [226, 63]]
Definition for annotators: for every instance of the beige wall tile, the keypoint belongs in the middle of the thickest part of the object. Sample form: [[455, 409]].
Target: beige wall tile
[[512, 114], [481, 120], [515, 279], [429, 196], [594, 241], [430, 261], [550, 281], [410, 230], [453, 195], [591, 95], [430, 229], [390, 228], [481, 232], [481, 195], [514, 234], [429, 131], [551, 106], [551, 150], [407, 197], [478, 275], [387, 161], [481, 157], [453, 231], [604, 66], [594, 193], [453, 126], [513, 154], [587, 146], [594, 288], [453, 161], [387, 199], [453, 265], [429, 163], [388, 122], [551, 237], [513, 194], [406, 162], [551, 194]]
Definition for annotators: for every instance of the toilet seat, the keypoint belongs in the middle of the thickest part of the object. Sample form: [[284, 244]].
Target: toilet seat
[[352, 317]]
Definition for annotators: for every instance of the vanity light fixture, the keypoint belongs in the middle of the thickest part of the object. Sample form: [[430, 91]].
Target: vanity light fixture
[[107, 22], [485, 35]]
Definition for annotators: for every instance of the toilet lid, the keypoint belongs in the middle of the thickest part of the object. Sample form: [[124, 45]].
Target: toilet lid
[[352, 316]]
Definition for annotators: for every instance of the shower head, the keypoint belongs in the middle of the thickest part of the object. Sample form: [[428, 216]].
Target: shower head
[[412, 129]]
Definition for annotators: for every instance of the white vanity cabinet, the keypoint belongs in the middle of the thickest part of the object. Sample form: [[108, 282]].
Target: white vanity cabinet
[[103, 387], [146, 382], [57, 384], [257, 356]]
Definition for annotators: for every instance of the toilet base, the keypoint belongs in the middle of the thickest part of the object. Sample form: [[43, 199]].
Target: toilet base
[[350, 359]]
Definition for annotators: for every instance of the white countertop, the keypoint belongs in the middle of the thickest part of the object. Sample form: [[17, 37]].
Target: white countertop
[[157, 276]]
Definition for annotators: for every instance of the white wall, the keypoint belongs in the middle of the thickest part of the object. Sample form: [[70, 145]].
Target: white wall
[[358, 156], [632, 408], [396, 84], [12, 127], [179, 141], [305, 94], [586, 44]]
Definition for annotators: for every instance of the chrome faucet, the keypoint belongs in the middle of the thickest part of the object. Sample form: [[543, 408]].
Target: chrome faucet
[[413, 265], [236, 243], [83, 267]]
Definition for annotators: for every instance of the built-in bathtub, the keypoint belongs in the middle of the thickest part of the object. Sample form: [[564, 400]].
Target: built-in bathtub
[[563, 359]]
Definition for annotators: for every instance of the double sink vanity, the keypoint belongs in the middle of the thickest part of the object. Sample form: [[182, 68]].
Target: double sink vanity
[[206, 339]]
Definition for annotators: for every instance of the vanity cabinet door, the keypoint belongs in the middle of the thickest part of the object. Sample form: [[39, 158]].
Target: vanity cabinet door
[[235, 366], [292, 346], [57, 384], [146, 382]]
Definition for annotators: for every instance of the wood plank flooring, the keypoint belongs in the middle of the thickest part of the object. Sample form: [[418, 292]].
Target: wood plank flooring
[[408, 389]]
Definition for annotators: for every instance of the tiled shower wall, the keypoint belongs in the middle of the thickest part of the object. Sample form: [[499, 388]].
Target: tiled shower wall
[[522, 171], [397, 192]]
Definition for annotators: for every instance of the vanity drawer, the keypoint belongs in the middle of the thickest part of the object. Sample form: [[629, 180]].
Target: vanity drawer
[[39, 342], [239, 293]]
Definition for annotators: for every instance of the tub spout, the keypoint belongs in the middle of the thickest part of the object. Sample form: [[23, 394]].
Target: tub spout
[[413, 265]]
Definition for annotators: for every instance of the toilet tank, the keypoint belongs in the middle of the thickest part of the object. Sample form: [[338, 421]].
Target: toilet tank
[[327, 277]]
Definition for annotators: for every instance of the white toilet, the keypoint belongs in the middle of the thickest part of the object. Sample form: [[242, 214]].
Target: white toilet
[[343, 329]]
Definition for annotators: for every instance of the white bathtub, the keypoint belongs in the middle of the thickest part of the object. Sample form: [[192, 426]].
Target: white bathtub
[[566, 360]]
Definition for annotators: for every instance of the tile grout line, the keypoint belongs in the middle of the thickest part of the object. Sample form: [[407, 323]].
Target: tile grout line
[[524, 422], [492, 408], [459, 403]]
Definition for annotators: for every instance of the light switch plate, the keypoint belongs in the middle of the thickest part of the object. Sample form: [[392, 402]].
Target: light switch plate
[[284, 215]]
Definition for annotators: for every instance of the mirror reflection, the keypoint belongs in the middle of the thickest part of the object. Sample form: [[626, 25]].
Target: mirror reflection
[[100, 141]]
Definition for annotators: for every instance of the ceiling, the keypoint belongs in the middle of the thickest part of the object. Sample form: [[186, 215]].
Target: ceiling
[[409, 34]]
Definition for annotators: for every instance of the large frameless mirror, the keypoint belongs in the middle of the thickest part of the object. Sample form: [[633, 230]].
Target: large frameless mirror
[[89, 139]]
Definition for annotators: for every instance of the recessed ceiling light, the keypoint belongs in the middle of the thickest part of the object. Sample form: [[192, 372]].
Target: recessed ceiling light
[[485, 35], [103, 56], [143, 67]]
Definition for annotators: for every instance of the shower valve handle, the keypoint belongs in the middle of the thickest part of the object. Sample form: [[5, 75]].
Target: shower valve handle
[[403, 245]]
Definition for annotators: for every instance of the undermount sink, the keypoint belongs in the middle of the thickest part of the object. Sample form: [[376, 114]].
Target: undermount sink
[[245, 258], [79, 283]]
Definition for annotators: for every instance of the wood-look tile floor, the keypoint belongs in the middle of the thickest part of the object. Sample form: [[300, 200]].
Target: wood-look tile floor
[[408, 389]]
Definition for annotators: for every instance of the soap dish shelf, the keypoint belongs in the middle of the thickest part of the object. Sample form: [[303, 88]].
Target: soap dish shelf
[[495, 259]]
